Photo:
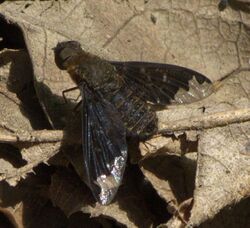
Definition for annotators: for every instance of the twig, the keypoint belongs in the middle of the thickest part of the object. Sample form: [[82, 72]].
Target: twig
[[208, 121], [194, 123], [14, 174], [32, 136]]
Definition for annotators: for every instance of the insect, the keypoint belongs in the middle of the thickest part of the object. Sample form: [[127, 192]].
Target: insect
[[243, 6], [223, 4], [117, 100]]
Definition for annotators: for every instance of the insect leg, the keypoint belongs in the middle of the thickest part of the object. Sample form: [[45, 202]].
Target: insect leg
[[68, 90], [77, 106]]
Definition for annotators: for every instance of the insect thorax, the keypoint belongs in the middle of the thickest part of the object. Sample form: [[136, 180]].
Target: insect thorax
[[102, 77], [96, 72]]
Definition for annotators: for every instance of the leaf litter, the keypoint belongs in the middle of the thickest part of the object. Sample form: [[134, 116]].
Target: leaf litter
[[198, 173]]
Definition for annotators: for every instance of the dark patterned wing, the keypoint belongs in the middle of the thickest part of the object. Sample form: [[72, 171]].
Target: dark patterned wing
[[164, 83], [104, 146]]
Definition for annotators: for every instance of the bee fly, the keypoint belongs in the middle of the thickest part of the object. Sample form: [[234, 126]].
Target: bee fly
[[117, 100]]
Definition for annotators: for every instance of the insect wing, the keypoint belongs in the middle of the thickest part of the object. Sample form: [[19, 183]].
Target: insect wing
[[104, 146], [164, 83]]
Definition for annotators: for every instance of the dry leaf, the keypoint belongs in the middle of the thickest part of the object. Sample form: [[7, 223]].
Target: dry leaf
[[71, 195], [195, 34], [17, 117]]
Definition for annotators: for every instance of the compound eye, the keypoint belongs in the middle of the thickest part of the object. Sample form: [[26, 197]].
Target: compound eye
[[64, 52], [63, 57]]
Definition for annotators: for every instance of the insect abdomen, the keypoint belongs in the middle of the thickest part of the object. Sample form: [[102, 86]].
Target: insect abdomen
[[135, 113]]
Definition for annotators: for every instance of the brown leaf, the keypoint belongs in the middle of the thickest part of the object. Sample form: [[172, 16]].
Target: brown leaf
[[71, 195], [223, 170], [17, 118], [194, 34], [222, 176]]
